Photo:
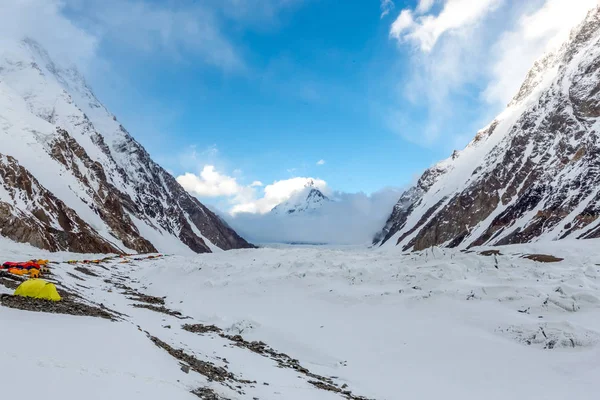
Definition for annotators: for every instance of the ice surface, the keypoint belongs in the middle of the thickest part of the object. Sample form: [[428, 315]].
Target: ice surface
[[436, 324]]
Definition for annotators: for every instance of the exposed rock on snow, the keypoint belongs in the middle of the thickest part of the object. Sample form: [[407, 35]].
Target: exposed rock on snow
[[327, 323], [308, 200], [543, 258], [161, 309], [282, 359], [212, 372], [72, 178], [551, 335], [42, 219], [533, 173], [65, 306]]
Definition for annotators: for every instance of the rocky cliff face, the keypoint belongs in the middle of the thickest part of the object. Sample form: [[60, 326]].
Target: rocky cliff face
[[72, 178], [532, 174]]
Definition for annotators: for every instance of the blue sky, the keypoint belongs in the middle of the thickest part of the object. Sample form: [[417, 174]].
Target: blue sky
[[308, 90], [243, 96]]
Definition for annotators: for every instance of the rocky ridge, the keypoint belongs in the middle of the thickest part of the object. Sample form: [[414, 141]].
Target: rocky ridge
[[532, 174], [72, 177]]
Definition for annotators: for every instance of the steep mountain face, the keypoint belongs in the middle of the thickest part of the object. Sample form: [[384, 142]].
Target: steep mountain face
[[72, 178], [532, 174], [308, 200]]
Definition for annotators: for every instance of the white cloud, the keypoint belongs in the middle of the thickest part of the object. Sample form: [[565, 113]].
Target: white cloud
[[351, 219], [471, 59], [537, 32], [427, 29], [386, 7], [160, 28], [404, 22], [255, 198], [424, 6], [73, 30], [276, 193], [224, 191], [321, 162], [44, 21], [209, 183], [227, 190]]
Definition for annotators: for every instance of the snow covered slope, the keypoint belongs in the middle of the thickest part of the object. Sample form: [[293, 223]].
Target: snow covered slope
[[311, 324], [532, 174], [72, 178], [308, 200]]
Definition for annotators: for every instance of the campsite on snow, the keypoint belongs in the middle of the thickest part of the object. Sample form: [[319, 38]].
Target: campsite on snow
[[310, 323], [122, 277]]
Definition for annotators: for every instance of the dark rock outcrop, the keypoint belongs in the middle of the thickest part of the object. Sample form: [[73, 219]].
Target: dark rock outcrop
[[48, 223]]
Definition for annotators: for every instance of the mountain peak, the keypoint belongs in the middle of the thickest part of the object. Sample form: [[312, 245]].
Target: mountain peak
[[111, 196], [307, 200], [310, 184]]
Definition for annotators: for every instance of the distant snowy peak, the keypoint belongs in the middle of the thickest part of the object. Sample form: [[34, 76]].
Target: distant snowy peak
[[308, 200], [532, 174], [72, 178]]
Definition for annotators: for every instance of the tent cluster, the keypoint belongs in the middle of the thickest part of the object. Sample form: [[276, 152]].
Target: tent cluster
[[35, 268], [96, 261], [149, 257], [38, 289], [110, 258], [31, 268], [41, 289], [33, 287]]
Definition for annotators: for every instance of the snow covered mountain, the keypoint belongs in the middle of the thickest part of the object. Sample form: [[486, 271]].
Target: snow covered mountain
[[72, 178], [532, 174], [308, 200]]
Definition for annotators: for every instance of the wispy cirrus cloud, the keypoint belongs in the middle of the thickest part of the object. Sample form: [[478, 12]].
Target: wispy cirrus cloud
[[75, 30], [386, 7], [538, 31], [467, 60], [170, 29], [45, 22], [425, 5], [425, 30]]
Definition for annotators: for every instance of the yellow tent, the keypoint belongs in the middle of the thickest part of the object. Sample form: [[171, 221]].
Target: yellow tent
[[39, 289]]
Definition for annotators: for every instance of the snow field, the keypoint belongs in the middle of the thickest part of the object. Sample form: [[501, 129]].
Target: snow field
[[435, 324]]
